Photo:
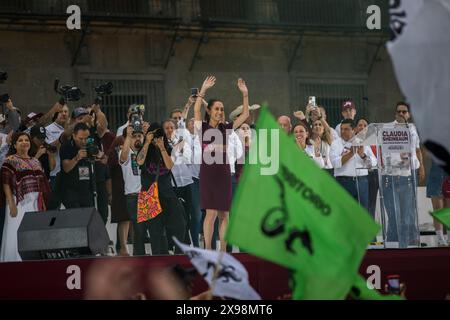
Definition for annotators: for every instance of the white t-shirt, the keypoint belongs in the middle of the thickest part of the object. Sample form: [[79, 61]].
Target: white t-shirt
[[53, 131], [131, 173]]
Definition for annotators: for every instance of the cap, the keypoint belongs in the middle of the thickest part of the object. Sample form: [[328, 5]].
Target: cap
[[33, 116], [38, 132], [348, 104], [237, 112], [78, 112]]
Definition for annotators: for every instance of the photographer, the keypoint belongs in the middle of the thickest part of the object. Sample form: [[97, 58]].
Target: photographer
[[53, 132], [155, 157], [45, 153], [132, 179], [76, 158]]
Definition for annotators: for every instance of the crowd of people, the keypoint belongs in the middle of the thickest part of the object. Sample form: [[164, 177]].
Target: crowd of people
[[70, 159]]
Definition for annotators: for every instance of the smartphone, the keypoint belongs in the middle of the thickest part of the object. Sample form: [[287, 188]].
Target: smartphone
[[194, 92], [312, 101], [393, 283]]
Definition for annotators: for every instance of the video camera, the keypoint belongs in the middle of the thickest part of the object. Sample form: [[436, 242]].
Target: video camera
[[4, 98], [92, 149], [3, 77], [158, 133], [136, 123], [67, 92], [136, 112], [102, 90]]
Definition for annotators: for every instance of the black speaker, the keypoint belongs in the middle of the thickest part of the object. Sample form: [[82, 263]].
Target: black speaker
[[62, 234]]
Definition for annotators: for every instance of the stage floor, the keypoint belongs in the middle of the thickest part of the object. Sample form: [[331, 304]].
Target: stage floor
[[425, 271]]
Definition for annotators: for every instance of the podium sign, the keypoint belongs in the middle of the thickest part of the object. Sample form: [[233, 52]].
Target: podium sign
[[395, 139]]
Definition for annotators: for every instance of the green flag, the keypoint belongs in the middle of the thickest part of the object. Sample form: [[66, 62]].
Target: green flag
[[443, 216], [298, 216]]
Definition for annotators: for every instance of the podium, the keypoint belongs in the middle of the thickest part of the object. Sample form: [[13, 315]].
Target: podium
[[397, 181]]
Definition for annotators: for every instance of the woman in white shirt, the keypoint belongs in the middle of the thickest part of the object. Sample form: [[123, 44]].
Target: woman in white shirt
[[321, 135], [301, 134]]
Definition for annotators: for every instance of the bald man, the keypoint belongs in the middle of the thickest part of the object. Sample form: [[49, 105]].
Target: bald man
[[285, 123]]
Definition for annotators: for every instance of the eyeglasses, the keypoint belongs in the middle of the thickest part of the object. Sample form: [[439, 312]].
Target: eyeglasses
[[402, 111]]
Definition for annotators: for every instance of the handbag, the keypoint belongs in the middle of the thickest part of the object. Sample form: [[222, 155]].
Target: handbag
[[148, 206]]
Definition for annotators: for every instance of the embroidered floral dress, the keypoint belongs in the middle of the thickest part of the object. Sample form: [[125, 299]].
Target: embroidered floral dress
[[29, 188]]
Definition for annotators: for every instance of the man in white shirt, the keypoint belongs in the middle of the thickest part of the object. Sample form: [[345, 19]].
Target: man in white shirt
[[348, 111], [132, 186], [194, 166], [400, 182], [53, 133], [351, 164]]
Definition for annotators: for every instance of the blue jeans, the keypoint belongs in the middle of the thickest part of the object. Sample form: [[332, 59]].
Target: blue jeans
[[373, 191], [400, 203], [196, 212], [358, 189]]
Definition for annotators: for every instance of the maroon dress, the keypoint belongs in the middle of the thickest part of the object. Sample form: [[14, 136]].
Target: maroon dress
[[215, 178]]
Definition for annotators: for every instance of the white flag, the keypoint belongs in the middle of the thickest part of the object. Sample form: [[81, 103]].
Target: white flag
[[420, 53], [232, 277]]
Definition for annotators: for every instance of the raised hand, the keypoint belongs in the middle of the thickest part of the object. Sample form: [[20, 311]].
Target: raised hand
[[149, 137], [191, 100], [242, 86], [145, 126], [41, 151], [299, 115], [130, 131], [208, 83], [160, 143]]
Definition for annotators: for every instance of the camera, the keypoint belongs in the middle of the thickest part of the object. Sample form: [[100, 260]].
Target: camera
[[104, 89], [3, 76], [194, 92], [136, 122], [92, 149], [158, 133], [67, 92], [4, 98]]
